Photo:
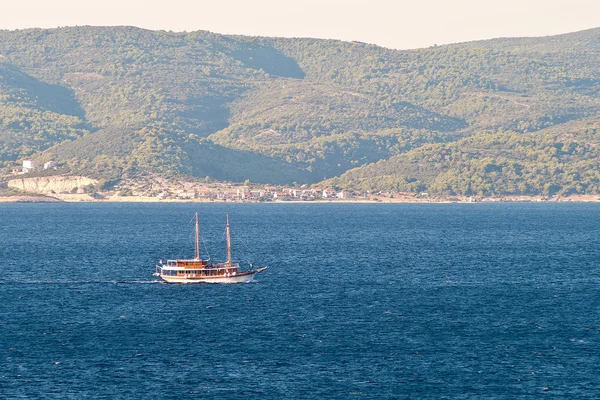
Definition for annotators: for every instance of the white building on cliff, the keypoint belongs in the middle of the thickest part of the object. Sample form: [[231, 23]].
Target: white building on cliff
[[28, 166]]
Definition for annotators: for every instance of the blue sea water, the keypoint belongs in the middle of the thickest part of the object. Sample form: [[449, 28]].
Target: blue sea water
[[473, 301]]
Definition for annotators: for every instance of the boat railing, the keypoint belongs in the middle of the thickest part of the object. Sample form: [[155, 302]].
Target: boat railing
[[223, 266]]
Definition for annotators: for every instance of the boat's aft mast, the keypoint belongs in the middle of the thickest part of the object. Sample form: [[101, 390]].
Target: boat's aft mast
[[197, 249], [228, 235]]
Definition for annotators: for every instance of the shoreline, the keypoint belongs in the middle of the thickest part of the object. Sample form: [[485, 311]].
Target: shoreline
[[84, 198]]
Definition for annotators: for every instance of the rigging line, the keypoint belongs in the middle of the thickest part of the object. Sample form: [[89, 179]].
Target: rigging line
[[191, 237], [246, 246], [184, 247], [240, 240], [205, 247], [245, 256], [237, 239]]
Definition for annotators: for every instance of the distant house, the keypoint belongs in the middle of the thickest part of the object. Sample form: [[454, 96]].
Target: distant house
[[50, 164], [281, 195], [243, 194], [28, 166], [329, 192], [308, 194]]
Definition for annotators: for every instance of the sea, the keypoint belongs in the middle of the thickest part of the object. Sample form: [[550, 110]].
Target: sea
[[375, 301]]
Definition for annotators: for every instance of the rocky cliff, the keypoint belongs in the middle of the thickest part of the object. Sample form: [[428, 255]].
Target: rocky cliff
[[52, 184]]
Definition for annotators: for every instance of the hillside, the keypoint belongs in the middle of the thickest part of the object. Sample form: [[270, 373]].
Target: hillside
[[561, 160], [120, 101]]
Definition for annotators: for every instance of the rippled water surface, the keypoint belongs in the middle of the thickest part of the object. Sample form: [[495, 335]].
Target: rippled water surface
[[359, 301]]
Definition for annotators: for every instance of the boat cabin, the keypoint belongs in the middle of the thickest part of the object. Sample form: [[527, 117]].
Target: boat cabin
[[187, 263], [198, 268]]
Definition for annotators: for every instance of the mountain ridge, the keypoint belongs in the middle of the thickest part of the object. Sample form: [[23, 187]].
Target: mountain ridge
[[131, 101]]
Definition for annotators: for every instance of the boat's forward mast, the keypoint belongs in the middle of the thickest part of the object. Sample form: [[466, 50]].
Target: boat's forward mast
[[197, 248], [228, 238]]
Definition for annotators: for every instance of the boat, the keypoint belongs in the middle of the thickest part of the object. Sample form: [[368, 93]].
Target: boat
[[198, 270]]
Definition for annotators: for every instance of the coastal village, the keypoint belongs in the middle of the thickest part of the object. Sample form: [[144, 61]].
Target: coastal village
[[45, 183], [28, 180], [163, 189]]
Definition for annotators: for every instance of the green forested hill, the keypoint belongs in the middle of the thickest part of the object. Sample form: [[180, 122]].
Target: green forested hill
[[114, 101], [563, 160], [34, 115]]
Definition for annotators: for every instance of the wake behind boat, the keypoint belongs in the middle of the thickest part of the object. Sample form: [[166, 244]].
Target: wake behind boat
[[198, 270]]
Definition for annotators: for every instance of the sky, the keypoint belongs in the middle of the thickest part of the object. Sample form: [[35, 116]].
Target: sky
[[396, 24]]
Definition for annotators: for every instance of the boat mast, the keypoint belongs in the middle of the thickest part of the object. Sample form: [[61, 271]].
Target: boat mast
[[228, 234], [197, 249]]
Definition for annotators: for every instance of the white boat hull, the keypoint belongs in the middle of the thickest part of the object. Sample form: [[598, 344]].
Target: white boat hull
[[242, 277]]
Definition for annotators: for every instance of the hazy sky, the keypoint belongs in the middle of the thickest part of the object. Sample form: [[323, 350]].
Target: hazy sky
[[396, 24]]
